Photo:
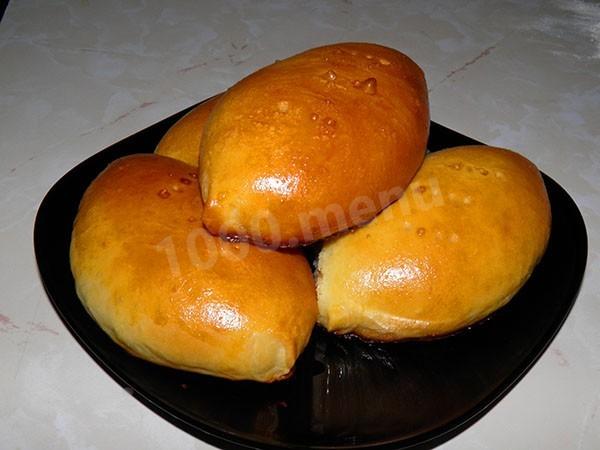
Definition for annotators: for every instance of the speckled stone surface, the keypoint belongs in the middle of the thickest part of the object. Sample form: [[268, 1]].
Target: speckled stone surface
[[77, 76]]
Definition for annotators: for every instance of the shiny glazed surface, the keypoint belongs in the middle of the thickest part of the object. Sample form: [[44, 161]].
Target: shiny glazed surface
[[182, 140], [462, 240], [171, 293], [292, 153]]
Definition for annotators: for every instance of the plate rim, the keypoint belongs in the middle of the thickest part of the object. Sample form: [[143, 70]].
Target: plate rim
[[224, 439]]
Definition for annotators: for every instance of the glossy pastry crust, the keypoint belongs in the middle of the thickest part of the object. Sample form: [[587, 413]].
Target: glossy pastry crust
[[171, 293], [313, 144], [182, 140], [458, 245]]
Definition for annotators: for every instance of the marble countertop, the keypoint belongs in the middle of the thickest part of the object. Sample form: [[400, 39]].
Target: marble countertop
[[77, 76]]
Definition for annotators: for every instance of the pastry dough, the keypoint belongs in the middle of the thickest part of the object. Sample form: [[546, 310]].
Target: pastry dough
[[458, 245], [171, 293], [182, 140], [313, 144]]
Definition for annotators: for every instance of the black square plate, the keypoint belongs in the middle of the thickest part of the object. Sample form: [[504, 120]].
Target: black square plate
[[345, 393]]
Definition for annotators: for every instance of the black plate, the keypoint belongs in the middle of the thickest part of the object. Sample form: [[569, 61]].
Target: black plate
[[345, 393]]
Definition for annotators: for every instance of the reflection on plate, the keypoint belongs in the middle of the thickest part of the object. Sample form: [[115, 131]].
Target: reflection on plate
[[345, 393]]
